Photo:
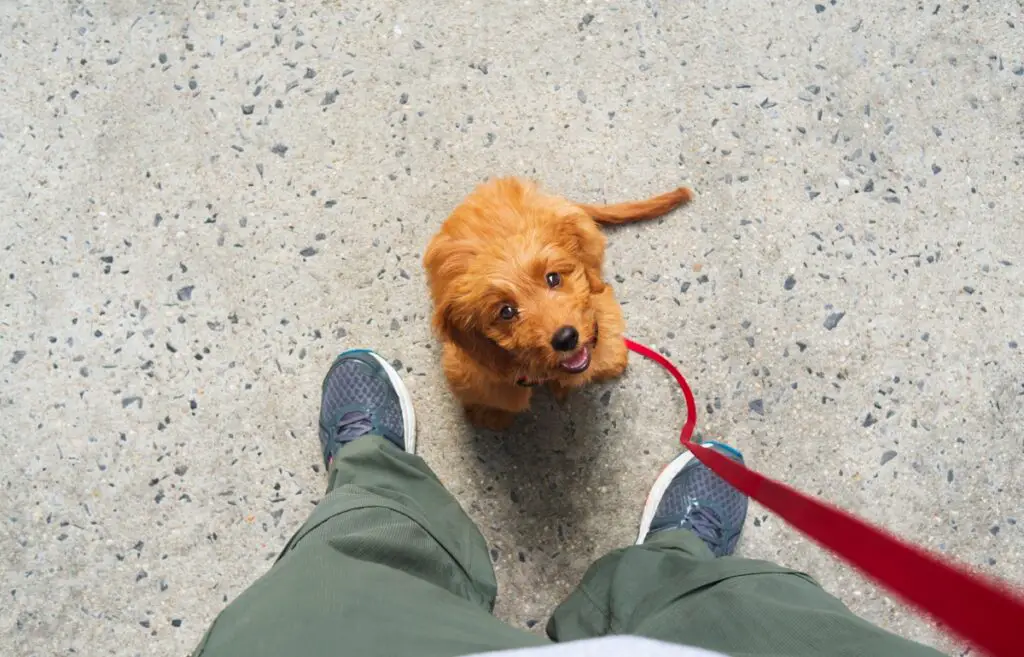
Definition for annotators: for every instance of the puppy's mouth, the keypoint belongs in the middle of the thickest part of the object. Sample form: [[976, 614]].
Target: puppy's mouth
[[577, 362]]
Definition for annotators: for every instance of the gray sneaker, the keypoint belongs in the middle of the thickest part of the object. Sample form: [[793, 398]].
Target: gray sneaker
[[364, 396], [687, 495]]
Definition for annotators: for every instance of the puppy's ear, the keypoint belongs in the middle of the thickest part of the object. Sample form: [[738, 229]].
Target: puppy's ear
[[582, 237], [453, 327]]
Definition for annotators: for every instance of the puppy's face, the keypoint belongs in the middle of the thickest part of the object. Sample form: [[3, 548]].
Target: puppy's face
[[521, 303], [534, 303]]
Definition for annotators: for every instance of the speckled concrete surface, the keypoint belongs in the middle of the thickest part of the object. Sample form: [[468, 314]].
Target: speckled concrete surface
[[203, 202]]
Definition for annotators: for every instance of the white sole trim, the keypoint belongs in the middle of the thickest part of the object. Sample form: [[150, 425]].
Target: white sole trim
[[404, 400], [661, 485]]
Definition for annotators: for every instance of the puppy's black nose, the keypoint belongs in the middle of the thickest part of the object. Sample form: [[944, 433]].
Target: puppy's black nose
[[565, 339]]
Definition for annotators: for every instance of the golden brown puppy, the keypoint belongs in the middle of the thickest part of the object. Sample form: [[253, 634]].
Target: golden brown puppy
[[515, 276]]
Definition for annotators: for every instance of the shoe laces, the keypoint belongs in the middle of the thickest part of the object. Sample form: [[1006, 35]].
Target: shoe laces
[[352, 425], [704, 522]]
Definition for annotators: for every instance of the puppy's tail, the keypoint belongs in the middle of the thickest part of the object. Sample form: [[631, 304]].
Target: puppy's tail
[[621, 213]]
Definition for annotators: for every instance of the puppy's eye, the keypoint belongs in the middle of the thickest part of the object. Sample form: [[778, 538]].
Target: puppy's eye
[[554, 279], [508, 312]]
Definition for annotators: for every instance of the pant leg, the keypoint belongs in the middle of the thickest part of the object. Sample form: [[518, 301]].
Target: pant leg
[[674, 589], [387, 564]]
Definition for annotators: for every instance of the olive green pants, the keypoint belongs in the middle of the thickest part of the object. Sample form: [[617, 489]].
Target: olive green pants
[[388, 564]]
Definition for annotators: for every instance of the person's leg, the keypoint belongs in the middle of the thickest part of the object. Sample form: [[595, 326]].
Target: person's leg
[[387, 564], [678, 584]]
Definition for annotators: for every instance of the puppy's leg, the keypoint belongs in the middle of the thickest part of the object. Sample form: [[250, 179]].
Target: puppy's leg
[[612, 362], [488, 417], [495, 407], [611, 356], [488, 405], [560, 391]]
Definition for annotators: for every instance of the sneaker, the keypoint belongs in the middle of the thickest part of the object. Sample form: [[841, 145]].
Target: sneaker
[[688, 495], [364, 396]]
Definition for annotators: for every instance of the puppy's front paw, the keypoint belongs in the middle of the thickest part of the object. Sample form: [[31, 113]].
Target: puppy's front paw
[[487, 417]]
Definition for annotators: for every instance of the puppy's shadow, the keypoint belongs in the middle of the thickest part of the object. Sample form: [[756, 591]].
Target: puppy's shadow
[[540, 474]]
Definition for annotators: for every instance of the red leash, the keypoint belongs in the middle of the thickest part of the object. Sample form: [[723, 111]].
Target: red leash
[[982, 611]]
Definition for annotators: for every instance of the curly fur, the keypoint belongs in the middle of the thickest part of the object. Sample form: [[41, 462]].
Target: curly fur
[[497, 248]]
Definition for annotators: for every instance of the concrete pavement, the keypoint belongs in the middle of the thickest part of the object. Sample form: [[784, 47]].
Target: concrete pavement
[[201, 203]]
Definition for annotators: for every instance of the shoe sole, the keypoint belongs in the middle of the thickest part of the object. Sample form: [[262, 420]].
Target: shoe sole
[[404, 398], [661, 485]]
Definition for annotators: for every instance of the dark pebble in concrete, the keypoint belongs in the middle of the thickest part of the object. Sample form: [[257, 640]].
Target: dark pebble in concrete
[[833, 320], [889, 455], [789, 283], [185, 293], [756, 406], [307, 252]]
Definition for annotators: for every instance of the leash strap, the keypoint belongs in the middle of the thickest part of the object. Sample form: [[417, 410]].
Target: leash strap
[[981, 610]]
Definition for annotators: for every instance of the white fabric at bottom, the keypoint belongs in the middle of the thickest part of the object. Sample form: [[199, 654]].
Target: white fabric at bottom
[[609, 646]]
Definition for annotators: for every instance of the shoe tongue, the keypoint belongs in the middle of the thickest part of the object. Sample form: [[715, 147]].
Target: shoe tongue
[[704, 522], [352, 425]]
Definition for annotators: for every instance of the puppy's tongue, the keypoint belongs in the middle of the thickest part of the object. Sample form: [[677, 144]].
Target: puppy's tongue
[[577, 361]]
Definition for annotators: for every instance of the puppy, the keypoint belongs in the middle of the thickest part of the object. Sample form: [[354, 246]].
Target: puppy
[[519, 301]]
